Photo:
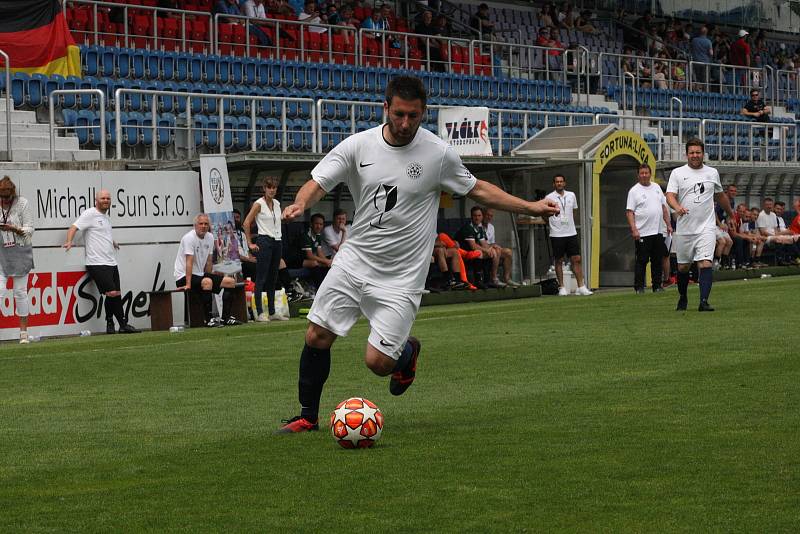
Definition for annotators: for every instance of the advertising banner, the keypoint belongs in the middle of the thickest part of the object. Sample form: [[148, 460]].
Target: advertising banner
[[466, 130], [150, 211], [218, 204]]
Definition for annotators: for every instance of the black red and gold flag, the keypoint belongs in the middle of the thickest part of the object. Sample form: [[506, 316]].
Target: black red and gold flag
[[35, 36]]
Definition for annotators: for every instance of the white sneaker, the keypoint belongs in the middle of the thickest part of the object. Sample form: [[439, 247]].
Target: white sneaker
[[276, 317], [23, 338], [512, 283], [583, 290], [562, 292], [262, 318]]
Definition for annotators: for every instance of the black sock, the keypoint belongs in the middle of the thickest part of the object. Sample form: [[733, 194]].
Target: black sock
[[205, 298], [683, 283], [115, 304], [108, 305], [285, 279], [405, 358], [315, 365], [705, 283], [227, 300]]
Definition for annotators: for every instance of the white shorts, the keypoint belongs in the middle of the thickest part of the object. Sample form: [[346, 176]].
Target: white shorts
[[722, 234], [341, 299], [695, 247]]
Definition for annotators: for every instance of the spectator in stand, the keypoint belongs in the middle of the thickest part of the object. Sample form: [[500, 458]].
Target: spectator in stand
[[659, 77], [334, 236], [583, 23], [280, 7], [702, 52], [375, 22], [740, 55], [481, 22], [547, 16], [312, 254], [566, 16], [230, 7], [253, 8], [311, 14], [472, 236], [433, 49], [642, 27], [552, 56], [755, 108], [506, 255]]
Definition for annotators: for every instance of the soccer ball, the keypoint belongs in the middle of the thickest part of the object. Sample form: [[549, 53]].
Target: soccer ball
[[356, 423]]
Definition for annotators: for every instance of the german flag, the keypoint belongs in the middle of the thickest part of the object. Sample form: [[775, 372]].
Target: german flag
[[35, 36]]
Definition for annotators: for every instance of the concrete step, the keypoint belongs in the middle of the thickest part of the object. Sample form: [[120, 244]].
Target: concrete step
[[3, 100], [18, 116], [40, 154], [38, 141]]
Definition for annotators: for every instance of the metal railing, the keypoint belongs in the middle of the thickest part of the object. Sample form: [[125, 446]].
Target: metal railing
[[527, 61], [219, 100], [124, 39], [400, 41], [765, 141], [669, 146], [643, 68], [9, 107], [101, 99], [724, 78], [786, 85]]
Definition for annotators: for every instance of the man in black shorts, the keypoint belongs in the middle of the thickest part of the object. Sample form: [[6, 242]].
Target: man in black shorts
[[101, 260], [194, 258], [564, 235]]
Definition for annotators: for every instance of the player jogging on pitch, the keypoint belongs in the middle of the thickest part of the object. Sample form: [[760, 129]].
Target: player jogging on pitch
[[691, 191], [395, 173]]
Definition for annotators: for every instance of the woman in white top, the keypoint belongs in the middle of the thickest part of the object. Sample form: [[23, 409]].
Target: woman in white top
[[266, 213], [16, 258]]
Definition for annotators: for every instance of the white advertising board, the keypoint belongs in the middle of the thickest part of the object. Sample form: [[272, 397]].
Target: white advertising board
[[150, 211], [466, 130]]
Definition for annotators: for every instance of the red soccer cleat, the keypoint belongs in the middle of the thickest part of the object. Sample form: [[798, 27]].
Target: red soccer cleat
[[297, 424], [402, 380]]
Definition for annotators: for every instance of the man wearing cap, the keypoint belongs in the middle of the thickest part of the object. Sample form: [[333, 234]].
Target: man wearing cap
[[739, 54]]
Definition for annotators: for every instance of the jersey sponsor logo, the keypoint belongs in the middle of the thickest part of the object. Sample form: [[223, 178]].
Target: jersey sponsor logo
[[414, 170], [384, 200], [362, 164], [698, 191], [217, 185]]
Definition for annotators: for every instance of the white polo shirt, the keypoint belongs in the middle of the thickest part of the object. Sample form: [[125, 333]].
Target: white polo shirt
[[98, 238]]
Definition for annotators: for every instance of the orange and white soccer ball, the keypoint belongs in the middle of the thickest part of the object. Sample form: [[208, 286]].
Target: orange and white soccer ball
[[356, 423]]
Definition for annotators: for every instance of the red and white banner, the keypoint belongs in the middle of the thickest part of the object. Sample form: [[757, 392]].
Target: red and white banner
[[466, 130], [150, 211]]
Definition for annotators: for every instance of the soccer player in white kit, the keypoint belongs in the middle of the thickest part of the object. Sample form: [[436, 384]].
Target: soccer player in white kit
[[395, 173], [691, 191]]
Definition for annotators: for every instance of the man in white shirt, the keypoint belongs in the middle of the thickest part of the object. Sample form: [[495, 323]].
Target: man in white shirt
[[192, 271], [646, 210], [334, 236], [395, 173], [564, 236], [101, 260], [691, 192]]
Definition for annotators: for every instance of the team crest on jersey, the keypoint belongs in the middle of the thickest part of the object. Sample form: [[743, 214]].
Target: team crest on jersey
[[414, 170]]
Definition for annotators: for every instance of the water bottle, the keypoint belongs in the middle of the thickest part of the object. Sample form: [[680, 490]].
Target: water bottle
[[733, 264], [85, 333], [766, 276], [34, 339], [175, 329]]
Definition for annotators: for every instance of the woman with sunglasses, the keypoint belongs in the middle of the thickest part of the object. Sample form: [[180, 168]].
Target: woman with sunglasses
[[16, 255]]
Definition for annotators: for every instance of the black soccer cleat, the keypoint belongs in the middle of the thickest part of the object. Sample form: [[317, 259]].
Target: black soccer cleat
[[705, 306], [110, 327], [682, 303], [402, 380], [128, 329], [297, 424]]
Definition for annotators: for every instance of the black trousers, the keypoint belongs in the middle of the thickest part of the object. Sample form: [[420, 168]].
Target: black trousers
[[649, 249], [268, 259]]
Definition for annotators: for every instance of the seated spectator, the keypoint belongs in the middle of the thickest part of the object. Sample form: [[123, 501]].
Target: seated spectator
[[566, 16], [506, 254], [584, 23], [749, 232], [375, 22], [230, 7], [449, 262], [755, 108], [472, 236], [794, 227], [253, 8], [659, 78], [426, 26], [313, 257], [776, 236], [334, 236], [481, 22], [311, 14], [790, 250], [547, 16], [722, 250]]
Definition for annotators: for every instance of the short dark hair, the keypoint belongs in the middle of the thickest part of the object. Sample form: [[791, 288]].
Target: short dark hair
[[557, 175], [645, 166], [407, 88], [476, 208], [780, 203], [338, 212], [694, 141], [317, 216], [237, 211]]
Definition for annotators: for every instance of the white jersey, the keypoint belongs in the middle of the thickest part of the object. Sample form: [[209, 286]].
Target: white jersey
[[192, 245], [695, 189], [647, 205], [331, 237], [490, 235], [563, 224], [768, 221], [396, 193], [98, 238]]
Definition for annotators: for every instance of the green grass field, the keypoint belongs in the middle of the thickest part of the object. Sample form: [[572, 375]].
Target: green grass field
[[610, 413]]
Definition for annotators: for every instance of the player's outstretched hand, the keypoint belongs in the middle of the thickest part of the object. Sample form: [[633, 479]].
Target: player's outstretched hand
[[291, 212], [545, 208]]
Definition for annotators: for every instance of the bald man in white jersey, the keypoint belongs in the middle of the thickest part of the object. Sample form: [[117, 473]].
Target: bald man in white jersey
[[691, 192], [395, 173]]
